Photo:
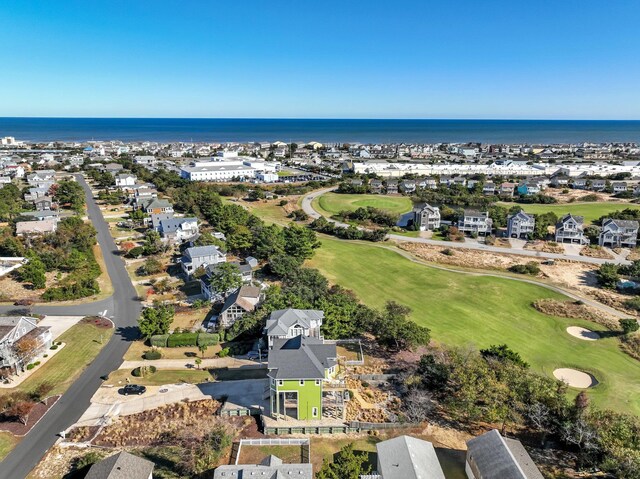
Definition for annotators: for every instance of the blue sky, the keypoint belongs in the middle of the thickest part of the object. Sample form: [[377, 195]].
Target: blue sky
[[321, 59]]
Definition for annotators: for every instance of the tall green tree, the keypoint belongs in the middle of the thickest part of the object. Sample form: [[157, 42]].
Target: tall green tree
[[225, 277], [33, 272], [156, 320], [69, 193], [347, 464]]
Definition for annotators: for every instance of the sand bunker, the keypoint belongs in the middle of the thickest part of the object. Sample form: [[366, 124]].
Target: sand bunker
[[575, 378], [583, 333]]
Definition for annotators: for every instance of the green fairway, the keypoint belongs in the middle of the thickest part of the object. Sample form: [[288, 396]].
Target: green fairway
[[332, 203], [590, 211], [466, 310]]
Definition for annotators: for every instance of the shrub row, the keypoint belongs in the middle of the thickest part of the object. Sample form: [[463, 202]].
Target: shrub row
[[176, 340]]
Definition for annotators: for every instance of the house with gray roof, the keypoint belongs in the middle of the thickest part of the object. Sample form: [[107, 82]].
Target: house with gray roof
[[492, 456], [178, 229], [476, 223], [246, 273], [426, 217], [520, 225], [13, 329], [201, 256], [243, 300], [302, 373], [618, 233], [288, 323], [271, 467], [406, 457], [121, 466], [570, 229]]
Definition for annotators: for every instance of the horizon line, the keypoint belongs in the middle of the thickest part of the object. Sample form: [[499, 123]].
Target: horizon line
[[310, 118]]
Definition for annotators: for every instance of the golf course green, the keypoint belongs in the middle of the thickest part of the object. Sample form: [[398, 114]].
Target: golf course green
[[466, 310], [590, 211], [330, 204]]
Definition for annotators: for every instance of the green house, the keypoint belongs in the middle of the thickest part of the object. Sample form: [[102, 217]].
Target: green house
[[302, 372]]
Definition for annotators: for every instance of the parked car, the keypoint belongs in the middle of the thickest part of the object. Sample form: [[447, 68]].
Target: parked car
[[253, 355], [133, 389]]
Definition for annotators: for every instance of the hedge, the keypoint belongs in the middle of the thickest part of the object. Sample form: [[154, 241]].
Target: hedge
[[159, 340], [208, 339], [182, 339]]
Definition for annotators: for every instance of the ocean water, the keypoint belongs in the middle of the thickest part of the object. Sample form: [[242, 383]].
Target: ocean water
[[325, 131]]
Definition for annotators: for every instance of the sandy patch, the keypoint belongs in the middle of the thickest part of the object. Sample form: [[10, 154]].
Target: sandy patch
[[575, 378], [583, 333]]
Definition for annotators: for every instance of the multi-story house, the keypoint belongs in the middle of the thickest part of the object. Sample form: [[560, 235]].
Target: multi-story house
[[520, 225], [246, 273], [408, 186], [289, 323], [492, 455], [270, 467], [618, 233], [506, 189], [375, 186], [14, 329], [579, 183], [43, 203], [476, 223], [302, 377], [528, 188], [619, 186], [598, 185], [406, 457], [243, 300], [125, 180], [426, 217], [201, 256], [560, 181], [570, 229], [178, 229], [155, 205], [392, 187], [489, 189]]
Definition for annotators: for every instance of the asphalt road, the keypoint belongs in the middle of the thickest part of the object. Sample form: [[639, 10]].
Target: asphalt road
[[307, 207], [124, 309]]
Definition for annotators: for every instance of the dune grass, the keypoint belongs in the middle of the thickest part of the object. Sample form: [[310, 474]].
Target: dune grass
[[464, 310], [590, 211], [332, 203]]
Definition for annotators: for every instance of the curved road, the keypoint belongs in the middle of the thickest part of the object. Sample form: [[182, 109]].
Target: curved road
[[307, 207], [124, 308]]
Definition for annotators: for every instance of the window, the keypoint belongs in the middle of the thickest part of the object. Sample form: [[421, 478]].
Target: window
[[280, 382], [318, 382], [314, 412], [302, 382]]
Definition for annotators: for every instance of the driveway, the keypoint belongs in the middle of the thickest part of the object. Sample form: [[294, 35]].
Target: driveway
[[59, 324], [109, 403]]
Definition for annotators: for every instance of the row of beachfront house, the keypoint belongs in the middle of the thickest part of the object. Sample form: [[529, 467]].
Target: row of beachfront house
[[614, 233], [507, 189]]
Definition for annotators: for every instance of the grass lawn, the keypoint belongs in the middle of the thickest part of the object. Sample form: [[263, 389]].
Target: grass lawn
[[137, 349], [255, 454], [590, 210], [7, 442], [269, 211], [464, 310], [332, 203], [83, 343], [161, 377]]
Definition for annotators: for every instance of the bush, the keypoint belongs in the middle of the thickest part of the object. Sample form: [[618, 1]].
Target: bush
[[448, 252], [177, 340], [531, 268], [54, 346], [629, 325], [159, 340], [282, 203], [143, 371], [223, 353], [208, 339], [633, 304], [152, 354], [33, 365]]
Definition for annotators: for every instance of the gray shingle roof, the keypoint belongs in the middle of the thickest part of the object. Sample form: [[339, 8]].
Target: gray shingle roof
[[121, 466], [500, 458], [281, 320], [405, 457], [270, 468], [301, 358]]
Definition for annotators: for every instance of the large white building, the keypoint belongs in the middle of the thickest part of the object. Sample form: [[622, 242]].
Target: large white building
[[216, 172]]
